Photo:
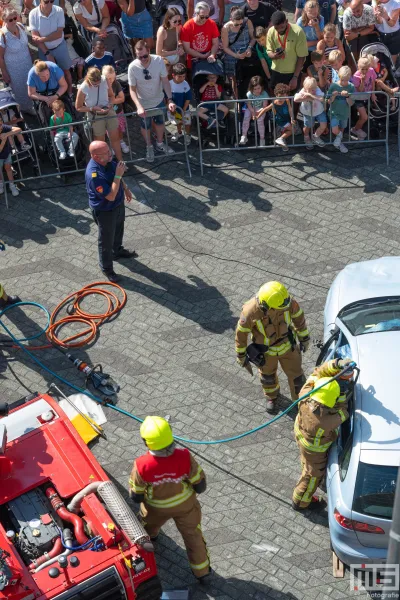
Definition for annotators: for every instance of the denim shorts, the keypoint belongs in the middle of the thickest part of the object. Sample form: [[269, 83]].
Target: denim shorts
[[139, 25], [341, 123], [309, 120], [61, 56], [5, 161], [158, 118]]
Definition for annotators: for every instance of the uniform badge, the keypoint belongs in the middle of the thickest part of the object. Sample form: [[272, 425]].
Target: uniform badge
[[99, 189], [94, 174]]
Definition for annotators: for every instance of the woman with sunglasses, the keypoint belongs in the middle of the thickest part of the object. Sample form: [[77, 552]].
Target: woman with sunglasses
[[15, 57], [237, 37], [168, 44], [136, 22], [94, 98]]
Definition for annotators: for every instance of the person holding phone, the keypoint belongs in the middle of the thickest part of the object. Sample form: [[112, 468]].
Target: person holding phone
[[312, 23], [107, 194]]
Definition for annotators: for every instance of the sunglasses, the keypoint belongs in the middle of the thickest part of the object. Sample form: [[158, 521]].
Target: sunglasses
[[48, 1], [12, 19], [144, 57], [236, 23], [177, 22], [202, 18], [146, 74]]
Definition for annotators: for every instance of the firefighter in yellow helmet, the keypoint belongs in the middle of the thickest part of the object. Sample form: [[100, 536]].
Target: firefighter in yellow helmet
[[6, 300], [166, 481], [276, 324], [316, 427]]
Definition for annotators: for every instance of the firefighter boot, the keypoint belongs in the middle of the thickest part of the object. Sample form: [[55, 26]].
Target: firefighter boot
[[8, 300], [317, 503], [271, 406]]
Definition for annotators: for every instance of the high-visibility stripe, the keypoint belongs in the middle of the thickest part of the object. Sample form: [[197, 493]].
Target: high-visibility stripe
[[200, 566], [270, 390], [341, 399], [278, 350], [287, 317], [241, 350], [307, 496], [297, 496], [173, 500], [303, 333], [318, 436], [306, 444], [342, 415], [244, 329], [261, 329], [196, 477], [299, 312], [136, 488]]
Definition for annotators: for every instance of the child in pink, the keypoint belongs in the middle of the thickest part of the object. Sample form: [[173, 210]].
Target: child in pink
[[363, 81]]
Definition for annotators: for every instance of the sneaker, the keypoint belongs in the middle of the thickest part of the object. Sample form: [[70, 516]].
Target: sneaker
[[150, 154], [1, 187], [211, 123], [14, 189], [359, 133], [71, 152], [262, 142], [188, 138], [164, 148], [281, 142], [343, 149], [63, 155], [243, 140], [175, 137], [124, 147], [338, 140], [308, 143], [317, 140], [221, 123], [25, 146]]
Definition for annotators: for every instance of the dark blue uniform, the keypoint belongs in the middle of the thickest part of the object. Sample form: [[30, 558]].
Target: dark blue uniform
[[109, 216]]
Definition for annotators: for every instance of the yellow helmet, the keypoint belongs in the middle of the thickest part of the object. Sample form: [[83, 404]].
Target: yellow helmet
[[156, 432], [273, 295], [328, 394]]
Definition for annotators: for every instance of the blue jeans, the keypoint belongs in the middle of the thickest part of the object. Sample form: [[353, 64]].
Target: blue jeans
[[111, 233]]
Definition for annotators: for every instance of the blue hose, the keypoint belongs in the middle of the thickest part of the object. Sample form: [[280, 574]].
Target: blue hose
[[125, 412]]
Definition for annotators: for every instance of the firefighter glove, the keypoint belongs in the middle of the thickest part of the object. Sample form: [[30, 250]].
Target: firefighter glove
[[344, 362], [241, 359], [304, 345]]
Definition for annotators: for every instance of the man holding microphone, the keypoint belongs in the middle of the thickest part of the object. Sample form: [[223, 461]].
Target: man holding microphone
[[107, 192]]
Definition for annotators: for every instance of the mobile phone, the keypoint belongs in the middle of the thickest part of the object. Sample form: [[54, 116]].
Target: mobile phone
[[279, 50]]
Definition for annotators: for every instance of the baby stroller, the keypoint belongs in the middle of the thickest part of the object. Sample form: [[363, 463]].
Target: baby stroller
[[200, 70], [378, 110], [77, 41], [9, 110], [43, 114]]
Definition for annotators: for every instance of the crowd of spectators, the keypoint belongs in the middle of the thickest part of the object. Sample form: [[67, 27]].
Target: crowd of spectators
[[317, 60]]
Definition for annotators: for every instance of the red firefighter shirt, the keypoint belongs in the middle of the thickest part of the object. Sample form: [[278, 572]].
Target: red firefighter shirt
[[165, 481], [199, 37]]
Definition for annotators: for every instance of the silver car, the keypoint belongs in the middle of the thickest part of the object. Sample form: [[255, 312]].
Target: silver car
[[362, 321]]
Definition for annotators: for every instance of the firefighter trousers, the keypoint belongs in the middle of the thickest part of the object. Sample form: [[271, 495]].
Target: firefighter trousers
[[313, 466], [187, 517], [291, 365]]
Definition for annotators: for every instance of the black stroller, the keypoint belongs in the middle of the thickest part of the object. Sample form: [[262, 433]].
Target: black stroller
[[200, 70], [43, 114], [378, 110], [11, 115]]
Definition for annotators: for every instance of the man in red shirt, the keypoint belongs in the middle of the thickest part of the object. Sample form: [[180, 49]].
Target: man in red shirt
[[200, 35]]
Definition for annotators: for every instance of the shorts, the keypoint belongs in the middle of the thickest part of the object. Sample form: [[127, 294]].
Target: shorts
[[361, 104], [61, 56], [309, 120], [78, 61], [391, 41], [102, 124], [157, 117], [341, 123], [121, 122], [139, 25], [5, 161], [279, 129]]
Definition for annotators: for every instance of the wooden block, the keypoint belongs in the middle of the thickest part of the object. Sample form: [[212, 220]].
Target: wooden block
[[337, 566]]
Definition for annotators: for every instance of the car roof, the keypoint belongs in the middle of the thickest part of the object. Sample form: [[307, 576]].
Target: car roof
[[377, 396], [369, 279]]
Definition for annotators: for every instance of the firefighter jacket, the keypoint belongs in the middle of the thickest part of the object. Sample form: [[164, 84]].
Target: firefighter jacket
[[316, 425], [165, 481], [271, 327]]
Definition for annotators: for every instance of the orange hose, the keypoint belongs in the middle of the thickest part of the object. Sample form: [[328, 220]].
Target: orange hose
[[92, 321]]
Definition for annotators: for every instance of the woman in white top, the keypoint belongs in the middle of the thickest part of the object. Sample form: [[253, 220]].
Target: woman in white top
[[93, 98], [93, 16], [387, 23], [15, 57]]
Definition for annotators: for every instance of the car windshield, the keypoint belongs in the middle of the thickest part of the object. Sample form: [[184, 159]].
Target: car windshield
[[371, 316], [374, 491]]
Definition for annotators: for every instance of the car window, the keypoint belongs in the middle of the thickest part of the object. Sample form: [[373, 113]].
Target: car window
[[374, 491], [372, 316], [336, 347], [344, 458]]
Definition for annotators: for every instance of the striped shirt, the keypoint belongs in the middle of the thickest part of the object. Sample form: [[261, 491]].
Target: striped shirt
[[106, 59]]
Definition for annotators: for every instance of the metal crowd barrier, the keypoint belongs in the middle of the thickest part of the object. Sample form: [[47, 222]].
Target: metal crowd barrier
[[42, 138], [232, 130]]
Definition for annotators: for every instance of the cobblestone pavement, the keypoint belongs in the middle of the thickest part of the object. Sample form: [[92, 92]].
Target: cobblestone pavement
[[297, 217]]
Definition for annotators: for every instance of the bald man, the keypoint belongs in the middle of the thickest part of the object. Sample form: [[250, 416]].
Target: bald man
[[107, 192], [359, 26]]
